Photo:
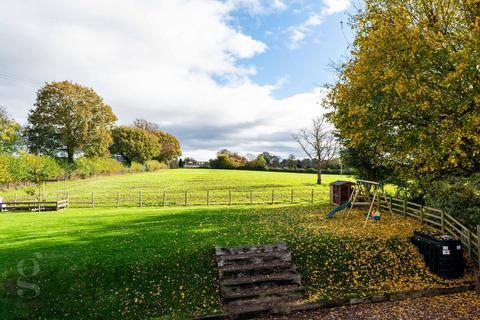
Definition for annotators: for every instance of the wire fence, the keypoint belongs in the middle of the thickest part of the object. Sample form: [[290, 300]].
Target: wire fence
[[184, 198]]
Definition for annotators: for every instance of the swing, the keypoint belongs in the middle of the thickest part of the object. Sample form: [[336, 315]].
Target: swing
[[362, 196]]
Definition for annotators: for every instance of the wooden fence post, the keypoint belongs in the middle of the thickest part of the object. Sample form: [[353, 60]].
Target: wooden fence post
[[251, 197], [163, 200], [118, 199], [311, 200], [442, 220], [208, 197], [186, 198], [58, 189], [469, 241], [273, 196], [404, 208], [421, 214], [140, 199], [229, 197], [291, 197], [64, 185], [93, 200]]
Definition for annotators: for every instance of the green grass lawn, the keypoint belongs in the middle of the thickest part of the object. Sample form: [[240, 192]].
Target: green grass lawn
[[137, 263]]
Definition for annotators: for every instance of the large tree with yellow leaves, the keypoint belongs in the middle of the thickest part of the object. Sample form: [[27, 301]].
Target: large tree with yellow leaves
[[411, 88]]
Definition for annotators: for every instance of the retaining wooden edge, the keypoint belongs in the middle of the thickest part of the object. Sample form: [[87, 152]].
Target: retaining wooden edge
[[310, 306]]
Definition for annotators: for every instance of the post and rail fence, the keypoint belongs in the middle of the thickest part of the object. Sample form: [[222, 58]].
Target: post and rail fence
[[35, 205], [436, 219], [227, 197]]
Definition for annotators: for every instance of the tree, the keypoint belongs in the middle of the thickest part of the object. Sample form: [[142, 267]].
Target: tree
[[135, 144], [181, 163], [318, 143], [290, 162], [228, 160], [364, 158], [170, 146], [9, 132], [69, 119], [411, 89], [257, 164]]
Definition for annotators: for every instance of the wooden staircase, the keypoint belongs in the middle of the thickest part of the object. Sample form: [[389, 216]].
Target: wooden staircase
[[255, 279]]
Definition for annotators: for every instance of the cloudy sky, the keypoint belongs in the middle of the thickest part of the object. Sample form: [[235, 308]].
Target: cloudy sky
[[236, 74]]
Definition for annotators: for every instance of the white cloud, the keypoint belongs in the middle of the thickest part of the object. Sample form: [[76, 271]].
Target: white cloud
[[153, 60], [334, 6], [299, 32], [258, 6]]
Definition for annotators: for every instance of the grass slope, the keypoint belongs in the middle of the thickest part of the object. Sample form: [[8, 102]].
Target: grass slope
[[180, 180], [144, 263]]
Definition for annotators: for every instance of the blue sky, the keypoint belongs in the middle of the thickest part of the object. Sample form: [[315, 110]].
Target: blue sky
[[238, 74], [307, 66]]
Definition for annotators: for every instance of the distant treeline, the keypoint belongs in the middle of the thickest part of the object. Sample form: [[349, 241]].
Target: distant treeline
[[268, 162]]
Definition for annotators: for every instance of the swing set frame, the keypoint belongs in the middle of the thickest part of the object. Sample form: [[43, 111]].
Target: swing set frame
[[362, 196]]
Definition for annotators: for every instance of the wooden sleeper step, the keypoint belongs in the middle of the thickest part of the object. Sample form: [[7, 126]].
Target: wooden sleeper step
[[224, 251], [256, 258], [281, 278], [256, 280], [260, 292], [258, 270]]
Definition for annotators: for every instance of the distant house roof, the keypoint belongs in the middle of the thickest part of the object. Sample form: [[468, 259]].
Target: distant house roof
[[341, 183]]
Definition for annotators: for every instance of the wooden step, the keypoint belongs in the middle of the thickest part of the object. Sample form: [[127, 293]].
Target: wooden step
[[253, 258], [259, 304], [284, 278], [256, 269], [255, 279], [230, 293], [225, 251], [271, 265]]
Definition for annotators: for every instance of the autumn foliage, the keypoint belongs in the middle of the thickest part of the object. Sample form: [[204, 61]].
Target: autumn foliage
[[411, 89]]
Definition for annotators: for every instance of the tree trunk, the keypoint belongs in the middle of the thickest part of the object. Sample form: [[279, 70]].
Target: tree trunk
[[319, 175], [70, 156]]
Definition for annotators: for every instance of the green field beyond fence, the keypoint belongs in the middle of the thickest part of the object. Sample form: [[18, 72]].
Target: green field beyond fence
[[186, 198], [185, 187]]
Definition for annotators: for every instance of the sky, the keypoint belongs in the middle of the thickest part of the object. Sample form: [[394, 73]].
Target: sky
[[238, 74]]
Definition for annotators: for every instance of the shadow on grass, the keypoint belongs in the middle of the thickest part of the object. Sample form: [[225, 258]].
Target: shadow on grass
[[120, 264]]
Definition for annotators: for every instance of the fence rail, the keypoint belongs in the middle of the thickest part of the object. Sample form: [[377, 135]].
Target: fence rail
[[34, 205], [437, 219], [191, 198]]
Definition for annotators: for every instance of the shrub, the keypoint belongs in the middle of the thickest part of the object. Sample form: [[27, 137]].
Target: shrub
[[41, 168], [28, 167], [154, 165], [136, 167], [87, 167], [458, 196], [5, 174]]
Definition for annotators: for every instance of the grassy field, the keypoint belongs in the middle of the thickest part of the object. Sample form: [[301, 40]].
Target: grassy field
[[180, 180], [168, 187], [158, 263]]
